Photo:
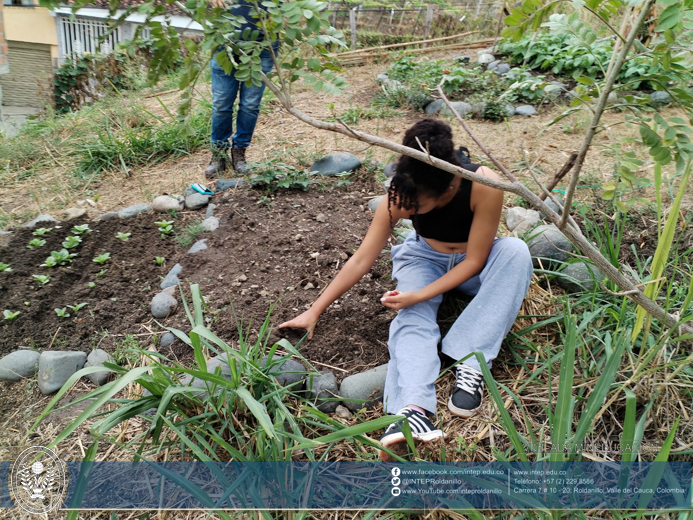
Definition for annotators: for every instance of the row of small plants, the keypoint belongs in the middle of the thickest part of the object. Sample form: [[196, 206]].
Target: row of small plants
[[65, 257]]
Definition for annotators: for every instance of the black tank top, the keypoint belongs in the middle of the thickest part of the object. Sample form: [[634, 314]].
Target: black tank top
[[452, 222]]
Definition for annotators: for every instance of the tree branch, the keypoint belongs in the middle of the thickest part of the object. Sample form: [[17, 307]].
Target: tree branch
[[610, 80]]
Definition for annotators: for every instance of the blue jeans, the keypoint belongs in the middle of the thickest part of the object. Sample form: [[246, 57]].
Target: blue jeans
[[498, 292], [225, 89]]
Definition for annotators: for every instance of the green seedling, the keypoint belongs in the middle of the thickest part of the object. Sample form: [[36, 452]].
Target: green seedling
[[71, 242], [80, 230], [41, 231], [123, 236], [36, 242], [9, 315], [77, 307], [62, 313], [42, 279], [159, 260], [101, 273], [102, 259], [91, 285], [62, 257], [165, 227], [5, 267]]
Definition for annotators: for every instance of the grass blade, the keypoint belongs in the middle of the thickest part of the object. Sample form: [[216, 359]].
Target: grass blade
[[562, 417]]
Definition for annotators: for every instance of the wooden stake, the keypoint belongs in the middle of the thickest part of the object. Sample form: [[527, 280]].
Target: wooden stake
[[405, 44], [352, 25]]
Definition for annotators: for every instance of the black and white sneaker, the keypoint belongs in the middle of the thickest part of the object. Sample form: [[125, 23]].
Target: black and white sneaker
[[469, 388], [422, 430]]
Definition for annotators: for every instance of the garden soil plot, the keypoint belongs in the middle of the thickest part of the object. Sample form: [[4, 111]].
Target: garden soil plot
[[262, 255]]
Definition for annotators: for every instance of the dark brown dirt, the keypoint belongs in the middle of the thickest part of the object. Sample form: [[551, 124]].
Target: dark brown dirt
[[269, 240]]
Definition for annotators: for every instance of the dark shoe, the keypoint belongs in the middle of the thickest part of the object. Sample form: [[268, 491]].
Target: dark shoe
[[238, 161], [216, 167], [469, 388], [422, 430]]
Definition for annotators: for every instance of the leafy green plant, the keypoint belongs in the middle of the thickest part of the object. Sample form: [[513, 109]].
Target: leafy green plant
[[62, 313], [123, 236], [76, 308], [188, 234], [42, 279], [71, 242], [5, 268], [102, 258], [62, 257], [36, 242], [41, 231], [165, 227], [9, 315], [80, 230], [159, 260], [495, 111], [91, 285], [278, 175], [101, 273]]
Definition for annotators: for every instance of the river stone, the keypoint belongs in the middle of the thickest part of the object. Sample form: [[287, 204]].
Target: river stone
[[111, 215], [493, 65], [547, 242], [551, 204], [661, 97], [462, 59], [19, 364], [390, 169], [228, 184], [5, 237], [382, 78], [485, 58], [516, 216], [580, 276], [373, 203], [460, 106], [210, 224], [172, 277], [134, 210], [96, 359], [525, 110], [73, 213], [166, 203], [335, 163], [210, 210], [323, 391], [198, 246], [163, 305], [367, 386], [196, 201], [41, 219], [288, 372], [503, 68], [434, 107], [55, 368], [167, 339]]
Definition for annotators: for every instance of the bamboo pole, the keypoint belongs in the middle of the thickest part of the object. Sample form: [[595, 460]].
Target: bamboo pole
[[405, 44]]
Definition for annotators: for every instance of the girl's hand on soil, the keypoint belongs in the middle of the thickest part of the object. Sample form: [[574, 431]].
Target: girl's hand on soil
[[306, 321], [399, 300]]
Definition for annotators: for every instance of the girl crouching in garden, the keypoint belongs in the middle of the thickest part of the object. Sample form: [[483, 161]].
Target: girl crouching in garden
[[453, 246]]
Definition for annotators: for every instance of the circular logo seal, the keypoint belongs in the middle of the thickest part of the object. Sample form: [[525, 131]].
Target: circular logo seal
[[38, 480]]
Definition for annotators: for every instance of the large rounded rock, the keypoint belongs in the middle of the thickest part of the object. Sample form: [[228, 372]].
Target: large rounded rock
[[548, 243], [391, 169], [167, 339], [163, 305], [198, 246], [521, 220], [461, 107], [287, 372], [5, 237], [525, 110], [551, 204], [134, 210], [18, 365], [228, 184], [434, 107], [323, 391], [41, 219], [210, 224], [171, 279], [55, 368], [96, 359], [502, 68], [485, 58], [493, 65], [580, 276], [334, 163], [196, 201], [373, 203], [660, 97], [364, 389], [166, 203]]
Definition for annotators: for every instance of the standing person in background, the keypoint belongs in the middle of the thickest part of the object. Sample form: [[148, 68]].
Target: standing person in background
[[454, 246], [226, 88]]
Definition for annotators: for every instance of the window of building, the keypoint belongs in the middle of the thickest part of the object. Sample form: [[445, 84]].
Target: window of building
[[19, 3]]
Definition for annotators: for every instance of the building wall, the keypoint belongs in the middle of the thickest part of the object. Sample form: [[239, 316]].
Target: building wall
[[29, 83], [31, 25], [4, 66]]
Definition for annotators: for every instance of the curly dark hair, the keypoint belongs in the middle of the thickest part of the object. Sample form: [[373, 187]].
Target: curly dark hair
[[413, 177]]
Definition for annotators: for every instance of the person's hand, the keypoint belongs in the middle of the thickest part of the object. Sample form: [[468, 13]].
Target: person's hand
[[399, 300], [306, 321], [220, 3]]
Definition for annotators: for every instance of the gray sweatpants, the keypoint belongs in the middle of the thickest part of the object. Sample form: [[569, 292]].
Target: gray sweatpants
[[414, 334]]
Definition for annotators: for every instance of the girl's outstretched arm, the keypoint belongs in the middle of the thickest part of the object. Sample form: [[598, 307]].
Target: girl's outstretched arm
[[354, 269]]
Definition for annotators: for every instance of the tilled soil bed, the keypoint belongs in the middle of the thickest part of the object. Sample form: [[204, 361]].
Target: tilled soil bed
[[277, 251]]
